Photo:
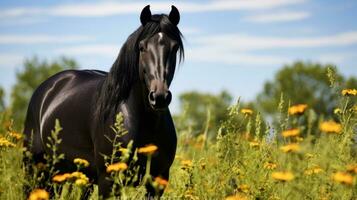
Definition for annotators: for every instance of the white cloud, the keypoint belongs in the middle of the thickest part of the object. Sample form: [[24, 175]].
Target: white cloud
[[10, 60], [239, 49], [209, 55], [190, 30], [240, 42], [40, 39], [106, 50], [278, 17], [22, 21], [100, 9]]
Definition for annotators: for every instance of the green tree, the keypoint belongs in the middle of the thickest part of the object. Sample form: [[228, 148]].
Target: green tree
[[28, 79], [197, 108], [306, 83], [2, 102]]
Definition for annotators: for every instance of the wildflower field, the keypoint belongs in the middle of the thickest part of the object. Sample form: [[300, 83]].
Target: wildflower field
[[301, 156]]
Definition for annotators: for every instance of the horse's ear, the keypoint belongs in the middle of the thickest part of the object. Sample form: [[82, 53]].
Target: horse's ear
[[174, 15], [145, 15]]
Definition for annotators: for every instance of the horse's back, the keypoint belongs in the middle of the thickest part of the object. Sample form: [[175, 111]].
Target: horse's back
[[68, 96]]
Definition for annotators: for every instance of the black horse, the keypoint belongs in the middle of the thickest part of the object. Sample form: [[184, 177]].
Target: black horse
[[86, 102]]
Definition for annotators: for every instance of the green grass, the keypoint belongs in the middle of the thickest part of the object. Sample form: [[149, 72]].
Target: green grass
[[237, 163]]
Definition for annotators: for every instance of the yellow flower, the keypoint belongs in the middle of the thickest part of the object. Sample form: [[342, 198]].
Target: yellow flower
[[282, 176], [270, 165], [314, 170], [161, 181], [247, 111], [149, 149], [77, 175], [342, 177], [244, 188], [309, 155], [123, 150], [6, 143], [81, 162], [117, 167], [186, 164], [297, 109], [349, 92], [81, 182], [59, 178], [236, 197], [337, 111], [15, 135], [290, 148], [330, 127], [39, 194], [352, 168], [254, 144], [291, 132]]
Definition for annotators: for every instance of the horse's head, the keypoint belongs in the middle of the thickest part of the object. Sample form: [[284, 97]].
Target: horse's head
[[157, 59]]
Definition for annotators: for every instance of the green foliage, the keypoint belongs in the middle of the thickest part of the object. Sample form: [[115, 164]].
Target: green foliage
[[232, 165], [196, 107], [29, 78], [2, 101], [304, 83], [53, 141]]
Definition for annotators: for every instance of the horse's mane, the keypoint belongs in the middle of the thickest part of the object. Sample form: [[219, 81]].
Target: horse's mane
[[125, 71]]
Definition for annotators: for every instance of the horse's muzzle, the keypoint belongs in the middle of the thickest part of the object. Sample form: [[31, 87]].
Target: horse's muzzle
[[159, 99]]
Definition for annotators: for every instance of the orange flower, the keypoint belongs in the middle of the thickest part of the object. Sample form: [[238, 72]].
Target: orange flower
[[290, 148], [59, 178], [282, 176], [117, 167], [270, 165], [291, 132], [349, 92], [148, 150], [236, 197], [330, 127], [161, 181], [297, 109], [314, 170], [254, 144], [6, 143], [15, 135], [352, 168], [342, 177], [39, 194], [186, 163], [247, 111], [244, 188]]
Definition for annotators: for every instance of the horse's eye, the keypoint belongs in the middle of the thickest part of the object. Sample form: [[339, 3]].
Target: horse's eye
[[141, 47]]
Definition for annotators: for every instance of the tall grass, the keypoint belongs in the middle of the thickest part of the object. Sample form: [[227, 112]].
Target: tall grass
[[303, 156]]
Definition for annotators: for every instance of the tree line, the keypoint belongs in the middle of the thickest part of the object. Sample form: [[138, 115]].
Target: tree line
[[296, 83]]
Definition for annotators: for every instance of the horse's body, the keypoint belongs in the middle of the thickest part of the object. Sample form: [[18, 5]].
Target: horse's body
[[86, 102]]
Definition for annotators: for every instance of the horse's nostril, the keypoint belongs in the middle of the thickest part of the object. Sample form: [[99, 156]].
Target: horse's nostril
[[152, 97], [160, 99]]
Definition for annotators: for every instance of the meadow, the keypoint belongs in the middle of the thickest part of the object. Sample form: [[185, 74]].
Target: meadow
[[300, 156]]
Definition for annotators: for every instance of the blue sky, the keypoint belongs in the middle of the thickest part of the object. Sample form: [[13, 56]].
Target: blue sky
[[235, 45]]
